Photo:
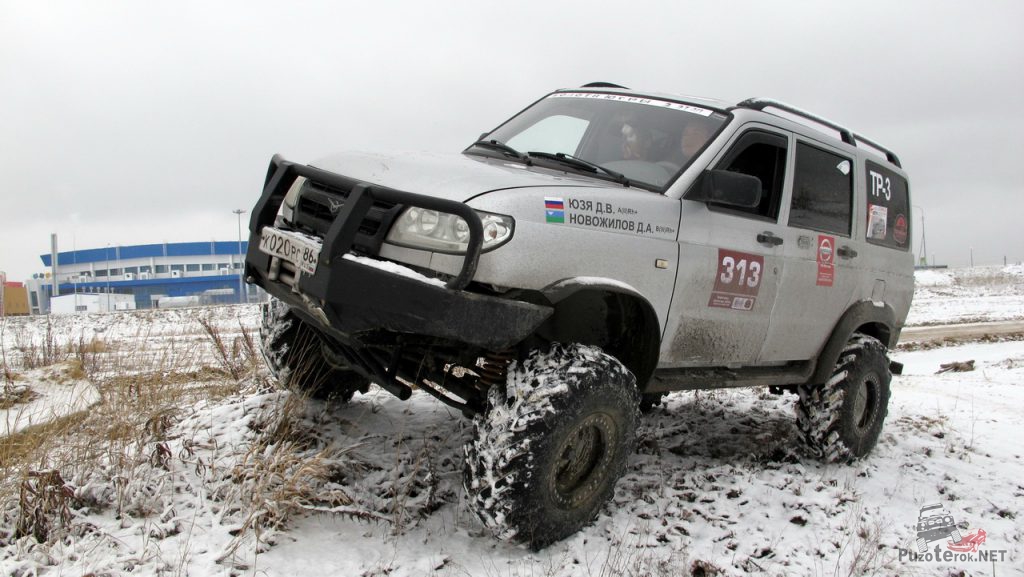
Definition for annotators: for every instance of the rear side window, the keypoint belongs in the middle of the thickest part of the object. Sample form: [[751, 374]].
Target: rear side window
[[822, 191], [888, 208]]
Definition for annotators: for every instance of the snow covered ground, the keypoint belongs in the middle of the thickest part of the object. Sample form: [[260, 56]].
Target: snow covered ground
[[979, 294], [251, 481]]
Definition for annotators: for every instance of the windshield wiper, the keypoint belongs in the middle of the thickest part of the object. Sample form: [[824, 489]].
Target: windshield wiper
[[581, 164], [501, 146]]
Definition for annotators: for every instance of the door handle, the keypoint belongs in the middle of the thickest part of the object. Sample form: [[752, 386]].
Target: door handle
[[769, 239], [846, 252]]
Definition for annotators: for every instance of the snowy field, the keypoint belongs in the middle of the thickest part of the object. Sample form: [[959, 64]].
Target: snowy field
[[968, 295], [186, 462]]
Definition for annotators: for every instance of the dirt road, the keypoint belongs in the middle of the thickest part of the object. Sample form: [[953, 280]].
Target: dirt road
[[961, 332]]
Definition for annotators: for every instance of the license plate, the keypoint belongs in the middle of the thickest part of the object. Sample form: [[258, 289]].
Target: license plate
[[298, 249]]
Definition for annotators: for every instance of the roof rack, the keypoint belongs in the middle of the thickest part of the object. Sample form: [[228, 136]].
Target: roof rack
[[847, 135]]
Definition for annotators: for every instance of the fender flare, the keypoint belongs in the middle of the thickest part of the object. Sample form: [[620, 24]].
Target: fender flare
[[645, 366], [857, 316]]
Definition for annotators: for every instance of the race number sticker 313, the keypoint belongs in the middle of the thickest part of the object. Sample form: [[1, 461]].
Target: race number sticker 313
[[737, 280]]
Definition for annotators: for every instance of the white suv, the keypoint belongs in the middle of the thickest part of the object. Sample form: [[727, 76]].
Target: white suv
[[597, 250]]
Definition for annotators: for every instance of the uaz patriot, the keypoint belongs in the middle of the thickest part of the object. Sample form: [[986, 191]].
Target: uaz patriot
[[597, 250]]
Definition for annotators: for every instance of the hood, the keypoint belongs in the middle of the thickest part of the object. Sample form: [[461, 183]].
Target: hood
[[458, 177]]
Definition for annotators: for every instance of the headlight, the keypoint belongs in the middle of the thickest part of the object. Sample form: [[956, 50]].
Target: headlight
[[442, 232], [288, 205]]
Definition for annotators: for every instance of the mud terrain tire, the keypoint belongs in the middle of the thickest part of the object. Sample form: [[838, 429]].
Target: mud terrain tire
[[293, 352], [547, 453], [842, 419]]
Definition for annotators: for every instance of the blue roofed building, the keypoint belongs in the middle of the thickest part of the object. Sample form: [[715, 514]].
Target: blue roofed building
[[208, 271]]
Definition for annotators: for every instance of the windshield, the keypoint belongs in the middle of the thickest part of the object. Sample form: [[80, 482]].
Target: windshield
[[647, 140]]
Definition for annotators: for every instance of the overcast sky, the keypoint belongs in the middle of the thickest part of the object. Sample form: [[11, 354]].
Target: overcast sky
[[143, 122]]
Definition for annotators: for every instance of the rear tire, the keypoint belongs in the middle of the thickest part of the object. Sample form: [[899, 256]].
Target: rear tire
[[547, 453], [294, 354], [842, 419]]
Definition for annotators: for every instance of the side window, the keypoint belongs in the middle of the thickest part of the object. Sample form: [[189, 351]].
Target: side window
[[822, 191], [761, 154], [888, 208]]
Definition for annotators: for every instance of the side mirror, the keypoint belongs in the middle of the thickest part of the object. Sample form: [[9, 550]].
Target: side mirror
[[728, 188]]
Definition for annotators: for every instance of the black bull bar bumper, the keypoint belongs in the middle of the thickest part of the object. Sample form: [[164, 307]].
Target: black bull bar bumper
[[344, 298]]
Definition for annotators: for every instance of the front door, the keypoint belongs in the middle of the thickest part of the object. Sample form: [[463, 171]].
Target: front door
[[730, 262]]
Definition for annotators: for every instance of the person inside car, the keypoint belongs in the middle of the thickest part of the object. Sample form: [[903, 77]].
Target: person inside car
[[636, 142]]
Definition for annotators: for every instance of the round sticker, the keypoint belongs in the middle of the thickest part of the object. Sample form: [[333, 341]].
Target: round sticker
[[825, 250], [899, 232]]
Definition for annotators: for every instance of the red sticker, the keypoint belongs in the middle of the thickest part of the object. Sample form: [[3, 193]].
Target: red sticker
[[899, 232], [826, 260], [737, 281]]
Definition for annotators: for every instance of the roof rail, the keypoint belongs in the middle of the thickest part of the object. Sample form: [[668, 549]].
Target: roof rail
[[848, 136]]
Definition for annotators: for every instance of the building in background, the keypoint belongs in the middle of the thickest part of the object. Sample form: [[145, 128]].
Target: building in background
[[13, 298], [91, 303], [205, 272]]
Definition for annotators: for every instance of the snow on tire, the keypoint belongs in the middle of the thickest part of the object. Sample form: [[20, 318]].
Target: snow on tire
[[547, 453], [293, 353], [842, 419]]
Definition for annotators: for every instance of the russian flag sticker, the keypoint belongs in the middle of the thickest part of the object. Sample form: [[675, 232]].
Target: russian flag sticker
[[554, 210]]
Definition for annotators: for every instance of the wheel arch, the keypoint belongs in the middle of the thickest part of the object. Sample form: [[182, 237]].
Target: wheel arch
[[867, 317], [609, 314]]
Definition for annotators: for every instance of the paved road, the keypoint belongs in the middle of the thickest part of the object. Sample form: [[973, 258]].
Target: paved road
[[962, 331]]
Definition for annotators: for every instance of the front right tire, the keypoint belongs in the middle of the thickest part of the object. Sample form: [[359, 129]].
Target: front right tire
[[294, 355], [842, 419]]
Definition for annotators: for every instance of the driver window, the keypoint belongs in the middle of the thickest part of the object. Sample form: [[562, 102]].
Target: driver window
[[763, 155]]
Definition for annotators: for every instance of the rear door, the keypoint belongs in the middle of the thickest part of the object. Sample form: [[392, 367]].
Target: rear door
[[819, 278], [730, 261]]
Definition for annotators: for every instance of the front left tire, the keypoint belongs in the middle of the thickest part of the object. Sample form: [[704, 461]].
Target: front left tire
[[547, 453]]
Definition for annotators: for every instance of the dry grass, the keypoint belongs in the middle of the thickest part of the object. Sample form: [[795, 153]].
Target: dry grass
[[5, 370], [127, 455], [117, 440], [282, 473], [238, 358]]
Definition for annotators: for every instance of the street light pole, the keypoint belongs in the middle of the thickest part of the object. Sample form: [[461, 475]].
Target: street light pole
[[241, 260], [108, 277], [924, 240]]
